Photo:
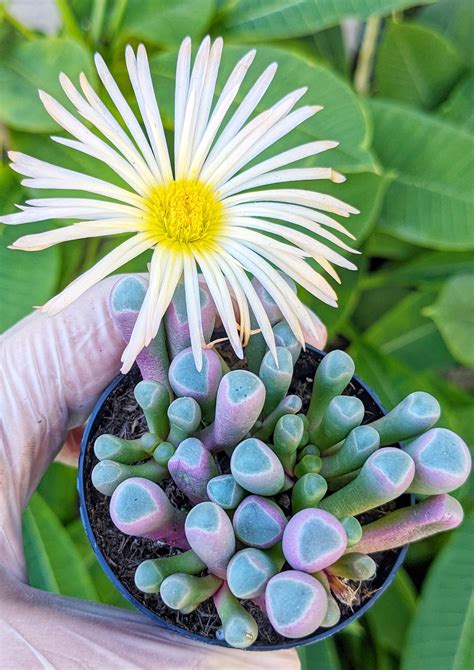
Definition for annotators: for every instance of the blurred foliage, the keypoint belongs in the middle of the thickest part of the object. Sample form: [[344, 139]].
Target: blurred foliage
[[407, 315]]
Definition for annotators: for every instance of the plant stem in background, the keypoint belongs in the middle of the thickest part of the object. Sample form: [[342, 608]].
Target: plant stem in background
[[363, 71], [70, 24], [97, 20], [16, 24], [116, 17]]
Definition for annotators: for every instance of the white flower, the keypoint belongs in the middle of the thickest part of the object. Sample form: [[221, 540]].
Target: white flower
[[205, 210]]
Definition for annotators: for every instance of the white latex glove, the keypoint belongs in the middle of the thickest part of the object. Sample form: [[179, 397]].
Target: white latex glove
[[53, 370]]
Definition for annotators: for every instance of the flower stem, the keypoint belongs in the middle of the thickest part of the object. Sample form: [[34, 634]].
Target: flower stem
[[363, 71]]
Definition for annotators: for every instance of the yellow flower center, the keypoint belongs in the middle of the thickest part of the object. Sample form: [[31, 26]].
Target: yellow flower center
[[184, 212]]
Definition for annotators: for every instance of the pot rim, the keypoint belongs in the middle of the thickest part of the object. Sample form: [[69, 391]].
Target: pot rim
[[317, 637]]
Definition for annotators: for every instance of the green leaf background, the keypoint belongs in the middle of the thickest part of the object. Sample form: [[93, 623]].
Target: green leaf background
[[406, 315]]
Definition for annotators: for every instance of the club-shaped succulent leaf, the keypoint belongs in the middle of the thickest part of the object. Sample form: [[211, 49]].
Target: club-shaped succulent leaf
[[296, 603], [385, 475], [257, 468], [112, 448], [308, 491], [184, 415], [308, 464], [259, 522], [308, 450], [442, 462], [333, 612], [353, 529], [163, 453], [126, 299], [239, 403], [191, 467], [287, 438], [354, 566], [239, 628], [107, 475], [187, 381], [291, 404], [410, 524], [181, 591], [211, 536], [284, 337], [332, 376], [225, 491], [415, 414], [249, 571], [153, 398], [343, 413], [176, 321], [276, 376], [140, 507], [150, 573], [361, 442], [313, 539]]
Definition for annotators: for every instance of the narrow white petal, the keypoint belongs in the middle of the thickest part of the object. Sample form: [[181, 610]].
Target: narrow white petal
[[112, 159], [296, 196], [221, 296], [169, 278], [122, 254], [235, 232], [276, 286], [193, 308], [245, 109], [274, 133], [113, 208], [183, 66], [127, 115], [303, 241], [103, 120], [152, 113], [283, 176], [77, 231], [208, 88], [301, 216], [240, 298], [238, 182]]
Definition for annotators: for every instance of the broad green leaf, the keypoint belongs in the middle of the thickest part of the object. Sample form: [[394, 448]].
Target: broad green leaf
[[344, 117], [414, 339], [427, 267], [58, 489], [26, 278], [388, 630], [459, 107], [374, 303], [52, 560], [416, 65], [279, 19], [34, 65], [442, 633], [454, 19], [431, 201], [453, 313], [166, 23], [320, 656], [382, 245], [106, 591], [364, 191]]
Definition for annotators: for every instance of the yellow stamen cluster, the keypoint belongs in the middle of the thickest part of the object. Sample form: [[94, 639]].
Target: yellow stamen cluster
[[184, 212]]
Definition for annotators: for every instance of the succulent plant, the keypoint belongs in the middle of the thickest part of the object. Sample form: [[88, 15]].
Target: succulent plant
[[272, 494]]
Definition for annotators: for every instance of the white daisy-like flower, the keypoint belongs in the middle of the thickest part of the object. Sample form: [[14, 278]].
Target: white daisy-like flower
[[205, 211]]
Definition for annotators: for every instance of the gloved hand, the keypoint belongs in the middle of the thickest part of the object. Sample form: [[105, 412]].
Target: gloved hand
[[53, 370]]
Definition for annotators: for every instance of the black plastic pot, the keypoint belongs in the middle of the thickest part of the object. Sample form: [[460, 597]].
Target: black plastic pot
[[305, 367]]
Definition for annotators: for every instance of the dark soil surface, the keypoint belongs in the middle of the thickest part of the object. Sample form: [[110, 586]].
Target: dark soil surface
[[121, 416]]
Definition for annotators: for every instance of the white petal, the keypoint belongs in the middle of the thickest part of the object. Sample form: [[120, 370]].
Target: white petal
[[181, 93], [170, 275], [296, 196], [301, 216], [238, 182], [208, 89], [221, 296], [77, 231], [245, 109], [246, 152], [122, 254], [127, 115], [283, 176], [235, 232], [193, 308]]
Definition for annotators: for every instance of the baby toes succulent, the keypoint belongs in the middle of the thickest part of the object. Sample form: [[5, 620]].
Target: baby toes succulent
[[266, 485]]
